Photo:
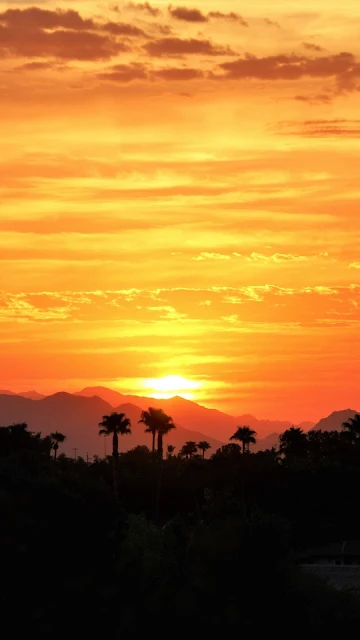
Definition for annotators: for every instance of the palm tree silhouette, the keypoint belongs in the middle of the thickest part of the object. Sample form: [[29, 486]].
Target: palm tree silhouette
[[157, 422], [170, 450], [56, 438], [352, 427], [189, 449], [115, 424], [246, 436], [293, 443], [203, 446]]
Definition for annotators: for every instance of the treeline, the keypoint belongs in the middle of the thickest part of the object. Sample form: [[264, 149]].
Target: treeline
[[153, 541]]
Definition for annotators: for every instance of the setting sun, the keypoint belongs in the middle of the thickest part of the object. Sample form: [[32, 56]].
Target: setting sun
[[170, 386]]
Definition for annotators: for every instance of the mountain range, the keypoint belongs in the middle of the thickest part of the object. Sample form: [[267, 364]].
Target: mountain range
[[77, 416]]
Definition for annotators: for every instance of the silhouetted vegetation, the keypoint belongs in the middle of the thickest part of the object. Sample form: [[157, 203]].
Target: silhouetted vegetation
[[185, 543]]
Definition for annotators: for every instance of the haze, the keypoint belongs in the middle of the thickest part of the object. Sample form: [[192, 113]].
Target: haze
[[180, 202]]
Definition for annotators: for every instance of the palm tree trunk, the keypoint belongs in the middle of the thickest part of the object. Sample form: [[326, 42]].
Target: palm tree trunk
[[243, 446], [55, 452], [203, 454], [115, 456], [153, 441]]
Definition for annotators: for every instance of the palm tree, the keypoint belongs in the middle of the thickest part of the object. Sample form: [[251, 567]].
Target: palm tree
[[170, 450], [157, 422], [294, 443], [189, 449], [56, 438], [246, 436], [115, 424], [203, 446], [353, 427]]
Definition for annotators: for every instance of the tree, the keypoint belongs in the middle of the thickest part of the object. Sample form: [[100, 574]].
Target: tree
[[170, 450], [56, 439], [189, 449], [157, 422], [294, 443], [246, 436], [115, 424], [352, 427], [203, 446]]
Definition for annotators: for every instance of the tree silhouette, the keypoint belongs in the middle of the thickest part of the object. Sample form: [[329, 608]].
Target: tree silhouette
[[352, 427], [294, 443], [56, 439], [189, 449], [157, 422], [246, 436], [170, 450], [203, 446], [115, 424]]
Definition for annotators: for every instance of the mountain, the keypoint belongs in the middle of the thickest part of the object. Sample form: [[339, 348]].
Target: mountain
[[78, 417], [191, 415], [334, 421], [33, 395]]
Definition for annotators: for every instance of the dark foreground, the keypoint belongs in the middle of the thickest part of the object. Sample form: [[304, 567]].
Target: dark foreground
[[189, 546]]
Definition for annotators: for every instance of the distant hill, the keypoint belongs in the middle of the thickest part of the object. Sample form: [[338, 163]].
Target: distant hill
[[33, 395], [334, 421], [191, 415], [78, 417]]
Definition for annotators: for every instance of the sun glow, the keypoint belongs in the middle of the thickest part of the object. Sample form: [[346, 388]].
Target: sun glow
[[169, 386]]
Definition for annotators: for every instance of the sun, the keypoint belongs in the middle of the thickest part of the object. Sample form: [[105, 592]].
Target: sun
[[170, 386]]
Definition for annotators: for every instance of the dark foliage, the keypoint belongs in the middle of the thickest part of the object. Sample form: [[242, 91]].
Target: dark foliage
[[220, 558]]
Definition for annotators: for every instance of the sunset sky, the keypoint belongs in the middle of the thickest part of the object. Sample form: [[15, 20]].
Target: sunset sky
[[180, 196]]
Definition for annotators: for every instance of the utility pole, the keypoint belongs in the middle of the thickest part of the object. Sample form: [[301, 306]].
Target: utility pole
[[75, 452]]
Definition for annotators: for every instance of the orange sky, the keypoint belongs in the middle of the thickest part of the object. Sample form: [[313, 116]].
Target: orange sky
[[180, 197]]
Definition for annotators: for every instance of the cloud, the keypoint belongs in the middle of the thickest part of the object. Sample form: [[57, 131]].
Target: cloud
[[211, 256], [325, 128], [272, 23], [144, 7], [175, 73], [291, 67], [123, 73], [317, 98], [179, 47], [231, 17], [354, 265], [123, 29], [35, 32], [310, 46], [35, 66], [187, 15], [36, 18], [69, 45]]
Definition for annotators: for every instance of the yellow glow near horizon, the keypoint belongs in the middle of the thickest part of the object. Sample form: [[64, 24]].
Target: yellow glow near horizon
[[170, 386]]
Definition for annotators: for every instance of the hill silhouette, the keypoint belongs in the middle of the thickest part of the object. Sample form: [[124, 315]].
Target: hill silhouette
[[192, 415], [78, 417], [334, 421]]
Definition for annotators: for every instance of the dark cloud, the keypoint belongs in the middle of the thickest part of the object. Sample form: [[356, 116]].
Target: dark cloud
[[35, 66], [176, 73], [179, 47], [67, 45], [187, 15], [292, 67], [122, 29], [145, 7], [231, 17], [123, 73], [310, 46], [318, 98], [272, 23], [323, 128], [35, 18]]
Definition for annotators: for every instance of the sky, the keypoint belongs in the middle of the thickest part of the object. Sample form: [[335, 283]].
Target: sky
[[179, 199]]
